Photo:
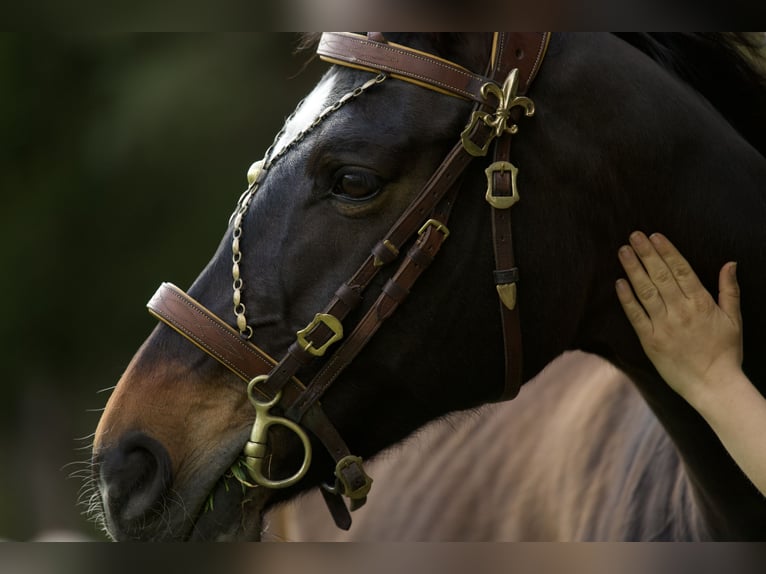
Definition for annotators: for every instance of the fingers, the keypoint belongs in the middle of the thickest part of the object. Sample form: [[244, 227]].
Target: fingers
[[682, 273], [633, 309], [662, 262], [638, 273], [728, 293], [667, 277]]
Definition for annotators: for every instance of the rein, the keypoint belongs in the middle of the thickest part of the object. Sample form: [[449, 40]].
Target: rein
[[500, 101]]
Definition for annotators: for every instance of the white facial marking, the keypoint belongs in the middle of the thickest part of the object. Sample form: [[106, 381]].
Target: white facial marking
[[309, 110]]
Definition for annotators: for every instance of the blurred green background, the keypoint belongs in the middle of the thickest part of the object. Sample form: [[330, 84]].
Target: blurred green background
[[121, 158]]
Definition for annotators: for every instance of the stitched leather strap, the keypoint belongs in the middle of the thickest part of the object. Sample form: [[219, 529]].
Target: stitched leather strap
[[192, 320], [402, 62], [374, 53]]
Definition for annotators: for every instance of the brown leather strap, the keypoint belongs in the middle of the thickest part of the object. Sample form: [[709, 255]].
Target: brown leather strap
[[506, 274], [402, 62], [522, 50], [374, 53], [208, 332], [527, 57]]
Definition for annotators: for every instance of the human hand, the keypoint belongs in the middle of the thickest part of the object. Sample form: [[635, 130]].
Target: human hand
[[695, 344]]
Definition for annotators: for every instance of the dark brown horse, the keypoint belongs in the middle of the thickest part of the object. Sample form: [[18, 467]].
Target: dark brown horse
[[653, 132], [539, 468]]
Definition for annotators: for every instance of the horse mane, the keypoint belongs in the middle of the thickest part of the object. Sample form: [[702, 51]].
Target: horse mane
[[727, 68]]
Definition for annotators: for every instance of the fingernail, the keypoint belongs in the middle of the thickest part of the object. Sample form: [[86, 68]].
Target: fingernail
[[621, 285], [637, 237], [733, 269], [655, 238], [625, 251]]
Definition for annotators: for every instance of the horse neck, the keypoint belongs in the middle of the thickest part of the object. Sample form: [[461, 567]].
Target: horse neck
[[631, 147]]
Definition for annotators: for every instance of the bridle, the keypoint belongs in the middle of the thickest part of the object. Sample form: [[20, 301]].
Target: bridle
[[499, 102]]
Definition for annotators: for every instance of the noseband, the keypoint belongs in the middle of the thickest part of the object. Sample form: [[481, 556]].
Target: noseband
[[499, 103]]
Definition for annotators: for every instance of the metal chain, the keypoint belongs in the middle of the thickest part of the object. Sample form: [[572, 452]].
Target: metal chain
[[255, 175]]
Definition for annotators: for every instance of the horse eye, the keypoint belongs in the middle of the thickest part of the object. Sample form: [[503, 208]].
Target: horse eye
[[357, 186]]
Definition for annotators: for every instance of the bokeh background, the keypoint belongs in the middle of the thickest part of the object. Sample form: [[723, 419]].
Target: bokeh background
[[121, 158]]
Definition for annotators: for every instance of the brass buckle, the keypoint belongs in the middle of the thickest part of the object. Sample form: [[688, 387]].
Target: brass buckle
[[437, 224], [331, 323], [342, 485], [499, 120], [469, 145], [501, 201]]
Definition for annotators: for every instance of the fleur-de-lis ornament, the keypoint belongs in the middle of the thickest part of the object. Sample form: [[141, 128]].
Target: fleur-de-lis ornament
[[498, 121]]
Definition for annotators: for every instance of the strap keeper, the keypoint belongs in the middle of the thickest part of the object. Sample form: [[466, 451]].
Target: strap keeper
[[385, 252], [506, 276], [420, 257], [395, 291], [505, 283], [348, 295]]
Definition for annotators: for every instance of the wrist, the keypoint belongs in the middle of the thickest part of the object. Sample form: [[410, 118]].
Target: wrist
[[719, 393]]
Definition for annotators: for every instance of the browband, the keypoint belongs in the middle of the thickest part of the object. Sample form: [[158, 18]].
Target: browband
[[401, 62], [375, 54]]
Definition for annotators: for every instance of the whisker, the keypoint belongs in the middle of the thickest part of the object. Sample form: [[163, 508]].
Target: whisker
[[88, 436], [268, 536]]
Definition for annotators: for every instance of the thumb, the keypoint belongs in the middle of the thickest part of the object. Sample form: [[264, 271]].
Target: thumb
[[728, 292]]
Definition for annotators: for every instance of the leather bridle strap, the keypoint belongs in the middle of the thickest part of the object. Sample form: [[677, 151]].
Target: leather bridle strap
[[501, 185], [373, 53], [209, 333]]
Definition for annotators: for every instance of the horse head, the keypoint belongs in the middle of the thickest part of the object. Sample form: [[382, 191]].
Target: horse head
[[355, 154]]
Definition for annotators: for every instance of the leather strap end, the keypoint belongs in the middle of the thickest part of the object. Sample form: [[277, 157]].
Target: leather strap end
[[337, 508]]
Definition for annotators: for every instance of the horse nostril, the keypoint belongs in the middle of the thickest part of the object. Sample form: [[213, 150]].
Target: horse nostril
[[134, 475]]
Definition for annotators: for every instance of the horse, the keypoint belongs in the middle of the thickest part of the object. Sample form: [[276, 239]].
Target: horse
[[521, 470], [610, 133]]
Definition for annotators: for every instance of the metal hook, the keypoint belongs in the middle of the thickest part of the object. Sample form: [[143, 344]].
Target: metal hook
[[255, 449]]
